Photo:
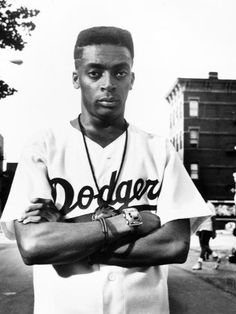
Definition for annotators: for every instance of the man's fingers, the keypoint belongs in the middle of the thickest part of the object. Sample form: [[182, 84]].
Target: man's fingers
[[29, 214], [33, 207], [45, 201], [33, 219], [40, 210]]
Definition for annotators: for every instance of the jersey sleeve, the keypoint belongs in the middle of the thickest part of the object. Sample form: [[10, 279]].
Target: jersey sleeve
[[30, 181], [179, 197]]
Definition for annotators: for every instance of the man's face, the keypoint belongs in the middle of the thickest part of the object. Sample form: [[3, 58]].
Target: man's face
[[105, 78]]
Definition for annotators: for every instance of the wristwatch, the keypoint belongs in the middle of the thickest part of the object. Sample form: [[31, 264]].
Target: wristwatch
[[132, 216]]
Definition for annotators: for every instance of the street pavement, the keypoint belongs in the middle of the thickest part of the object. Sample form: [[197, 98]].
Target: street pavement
[[191, 292], [225, 276], [16, 285], [208, 290]]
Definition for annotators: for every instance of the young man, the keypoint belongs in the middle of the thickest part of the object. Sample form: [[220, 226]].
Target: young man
[[105, 205]]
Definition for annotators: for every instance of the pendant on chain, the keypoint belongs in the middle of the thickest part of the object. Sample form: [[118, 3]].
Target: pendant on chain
[[104, 210]]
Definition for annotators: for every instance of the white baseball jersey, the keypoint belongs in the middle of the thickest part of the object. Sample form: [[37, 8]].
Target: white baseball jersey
[[55, 165]]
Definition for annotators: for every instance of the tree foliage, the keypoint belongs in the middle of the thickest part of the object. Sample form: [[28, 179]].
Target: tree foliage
[[6, 90], [15, 24]]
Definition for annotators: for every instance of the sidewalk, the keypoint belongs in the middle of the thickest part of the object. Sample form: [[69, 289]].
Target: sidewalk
[[225, 276]]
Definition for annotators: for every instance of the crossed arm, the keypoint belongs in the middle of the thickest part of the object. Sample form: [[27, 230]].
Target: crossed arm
[[43, 237]]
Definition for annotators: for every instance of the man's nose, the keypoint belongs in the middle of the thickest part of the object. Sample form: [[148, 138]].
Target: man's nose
[[108, 82]]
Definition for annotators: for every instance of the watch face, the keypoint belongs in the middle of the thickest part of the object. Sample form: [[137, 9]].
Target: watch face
[[133, 217]]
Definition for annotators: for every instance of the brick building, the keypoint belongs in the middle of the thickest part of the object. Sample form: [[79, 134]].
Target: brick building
[[203, 131]]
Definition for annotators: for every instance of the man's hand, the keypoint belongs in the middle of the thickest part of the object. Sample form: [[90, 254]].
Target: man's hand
[[151, 222], [118, 225], [41, 210]]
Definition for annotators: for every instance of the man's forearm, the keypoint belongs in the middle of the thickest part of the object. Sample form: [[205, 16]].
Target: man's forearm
[[54, 242], [62, 242], [169, 244]]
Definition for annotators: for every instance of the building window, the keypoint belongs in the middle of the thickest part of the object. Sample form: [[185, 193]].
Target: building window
[[194, 137], [194, 173], [193, 108]]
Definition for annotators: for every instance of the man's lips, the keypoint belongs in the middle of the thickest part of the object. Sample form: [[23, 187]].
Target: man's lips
[[108, 101]]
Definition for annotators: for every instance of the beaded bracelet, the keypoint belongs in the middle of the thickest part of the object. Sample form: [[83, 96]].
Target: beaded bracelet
[[105, 232]]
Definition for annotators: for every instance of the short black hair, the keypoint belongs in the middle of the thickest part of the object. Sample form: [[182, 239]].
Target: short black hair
[[103, 35]]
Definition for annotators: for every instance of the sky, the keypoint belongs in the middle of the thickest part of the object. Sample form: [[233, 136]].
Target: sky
[[172, 38]]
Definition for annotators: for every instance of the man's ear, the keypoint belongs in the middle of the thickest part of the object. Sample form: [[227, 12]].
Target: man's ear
[[132, 80], [75, 78]]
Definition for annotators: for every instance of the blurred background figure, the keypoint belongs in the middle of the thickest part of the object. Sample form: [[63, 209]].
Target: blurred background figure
[[205, 232], [232, 256]]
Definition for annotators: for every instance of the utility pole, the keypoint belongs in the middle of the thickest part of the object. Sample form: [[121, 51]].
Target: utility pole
[[234, 176]]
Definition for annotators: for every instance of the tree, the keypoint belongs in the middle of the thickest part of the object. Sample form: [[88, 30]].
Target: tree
[[15, 24]]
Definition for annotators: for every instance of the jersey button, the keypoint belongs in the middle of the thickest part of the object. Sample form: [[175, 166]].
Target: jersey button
[[112, 277]]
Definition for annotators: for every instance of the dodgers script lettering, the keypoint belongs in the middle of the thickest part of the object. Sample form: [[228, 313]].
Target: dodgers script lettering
[[125, 192]]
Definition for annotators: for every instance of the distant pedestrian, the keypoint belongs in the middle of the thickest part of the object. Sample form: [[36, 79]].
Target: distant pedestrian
[[232, 256], [205, 232]]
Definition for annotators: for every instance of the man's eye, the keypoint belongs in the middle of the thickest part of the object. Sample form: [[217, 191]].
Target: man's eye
[[94, 74], [121, 74]]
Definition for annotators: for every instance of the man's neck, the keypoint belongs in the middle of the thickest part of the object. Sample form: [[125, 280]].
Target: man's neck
[[101, 132]]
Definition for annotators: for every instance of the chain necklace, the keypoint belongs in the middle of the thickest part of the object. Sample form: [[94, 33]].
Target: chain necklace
[[104, 206]]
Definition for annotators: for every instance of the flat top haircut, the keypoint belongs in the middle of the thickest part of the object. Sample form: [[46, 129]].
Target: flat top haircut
[[103, 35]]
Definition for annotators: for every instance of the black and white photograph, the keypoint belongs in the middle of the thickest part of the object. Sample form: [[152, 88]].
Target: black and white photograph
[[117, 157]]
